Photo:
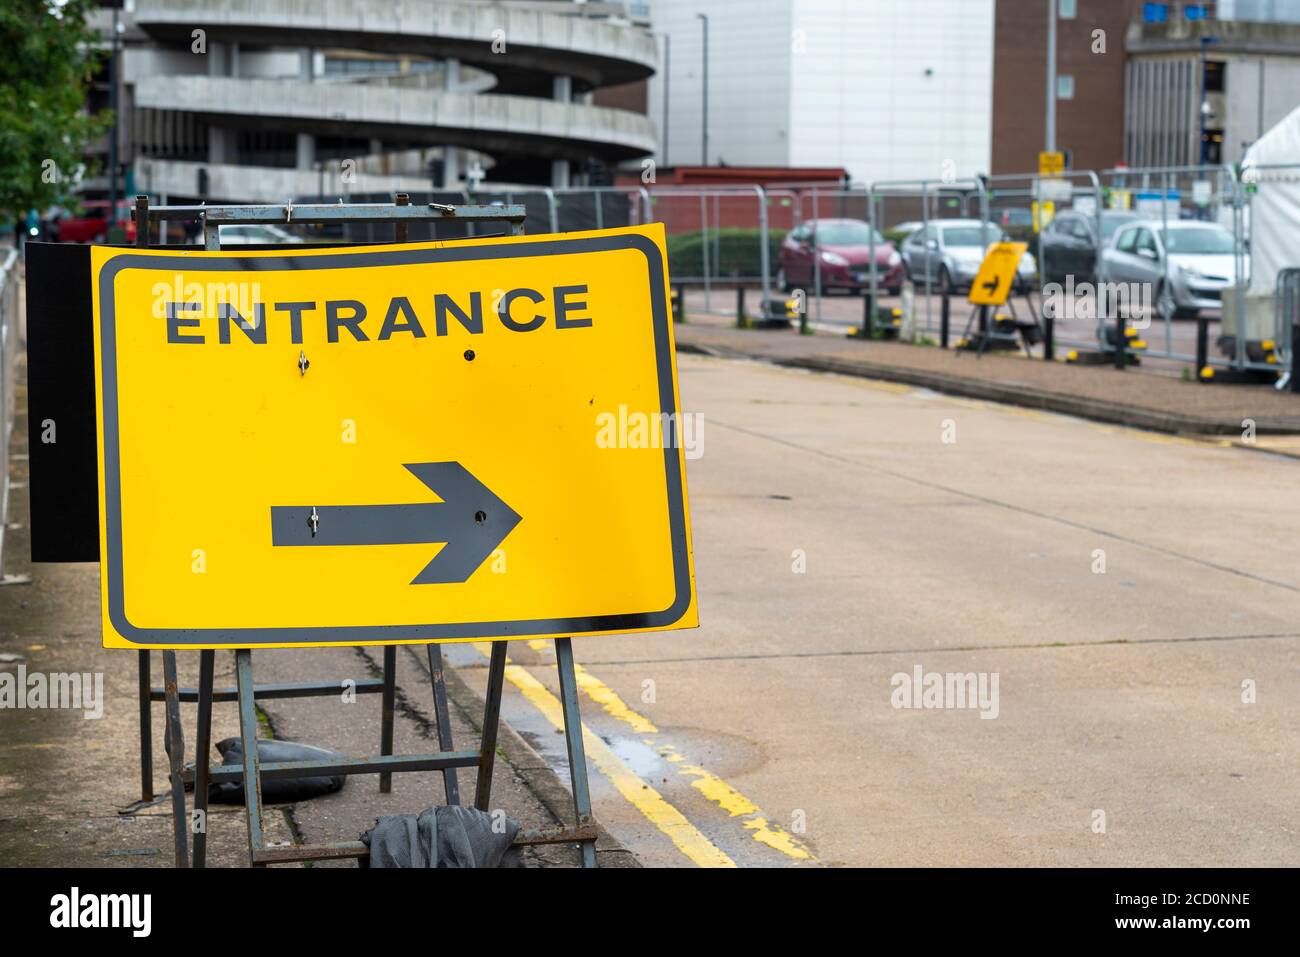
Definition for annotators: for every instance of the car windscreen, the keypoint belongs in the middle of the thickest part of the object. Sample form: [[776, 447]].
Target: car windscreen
[[845, 234], [970, 236], [1110, 224], [1198, 242]]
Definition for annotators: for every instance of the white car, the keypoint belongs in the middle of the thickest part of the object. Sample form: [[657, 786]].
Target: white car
[[256, 234]]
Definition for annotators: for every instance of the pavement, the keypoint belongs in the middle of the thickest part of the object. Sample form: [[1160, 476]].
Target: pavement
[[1160, 402]]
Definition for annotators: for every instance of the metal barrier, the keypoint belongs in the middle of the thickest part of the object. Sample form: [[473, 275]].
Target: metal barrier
[[1287, 304], [686, 210], [1164, 195], [9, 347], [927, 190], [732, 235]]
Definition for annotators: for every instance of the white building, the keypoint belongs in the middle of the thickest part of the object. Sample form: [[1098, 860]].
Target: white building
[[888, 89]]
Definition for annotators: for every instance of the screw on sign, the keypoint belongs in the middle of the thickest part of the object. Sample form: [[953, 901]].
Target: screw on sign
[[475, 374]]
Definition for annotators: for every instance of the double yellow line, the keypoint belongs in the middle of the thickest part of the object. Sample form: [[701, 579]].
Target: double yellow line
[[639, 793]]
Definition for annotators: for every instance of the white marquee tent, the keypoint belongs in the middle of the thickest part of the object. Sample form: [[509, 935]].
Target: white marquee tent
[[1275, 206]]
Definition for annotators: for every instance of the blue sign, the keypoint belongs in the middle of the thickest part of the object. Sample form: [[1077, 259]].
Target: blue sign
[[1155, 12]]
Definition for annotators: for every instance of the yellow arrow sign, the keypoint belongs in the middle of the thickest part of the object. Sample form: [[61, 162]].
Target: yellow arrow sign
[[427, 442], [997, 273]]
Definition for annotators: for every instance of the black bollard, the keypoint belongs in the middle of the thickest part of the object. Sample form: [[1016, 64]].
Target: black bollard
[[1203, 347]]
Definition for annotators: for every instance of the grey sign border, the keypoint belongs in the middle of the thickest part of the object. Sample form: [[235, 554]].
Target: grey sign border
[[379, 634]]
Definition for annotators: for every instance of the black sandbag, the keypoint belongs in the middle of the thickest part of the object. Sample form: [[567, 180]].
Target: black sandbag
[[277, 790], [446, 836]]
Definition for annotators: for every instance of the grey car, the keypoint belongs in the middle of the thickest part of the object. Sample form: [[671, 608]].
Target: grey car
[[1182, 267], [950, 251]]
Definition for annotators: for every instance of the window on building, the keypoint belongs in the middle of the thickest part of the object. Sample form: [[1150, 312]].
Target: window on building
[[1214, 76], [1065, 86], [1069, 9]]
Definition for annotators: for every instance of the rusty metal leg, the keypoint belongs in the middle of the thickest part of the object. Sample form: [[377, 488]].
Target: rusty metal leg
[[248, 741], [449, 783], [202, 748], [174, 741], [146, 728], [491, 718], [573, 738], [386, 728]]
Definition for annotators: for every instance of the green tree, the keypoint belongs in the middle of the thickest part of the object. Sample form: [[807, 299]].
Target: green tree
[[49, 60]]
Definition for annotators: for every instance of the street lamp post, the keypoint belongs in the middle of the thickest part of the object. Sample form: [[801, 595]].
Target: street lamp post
[[1051, 76], [668, 49], [112, 143], [1205, 97], [704, 19]]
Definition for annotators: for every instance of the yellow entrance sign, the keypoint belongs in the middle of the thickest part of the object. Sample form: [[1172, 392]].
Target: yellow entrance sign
[[414, 443], [997, 274], [1051, 164]]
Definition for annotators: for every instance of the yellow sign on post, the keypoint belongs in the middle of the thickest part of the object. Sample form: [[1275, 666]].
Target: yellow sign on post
[[426, 442], [997, 275], [1051, 164]]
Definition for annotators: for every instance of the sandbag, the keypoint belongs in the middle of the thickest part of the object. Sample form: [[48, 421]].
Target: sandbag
[[446, 836], [276, 790]]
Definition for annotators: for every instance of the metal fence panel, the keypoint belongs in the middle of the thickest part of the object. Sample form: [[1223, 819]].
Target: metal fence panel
[[9, 347]]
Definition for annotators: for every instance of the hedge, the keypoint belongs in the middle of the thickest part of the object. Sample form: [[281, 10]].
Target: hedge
[[737, 251]]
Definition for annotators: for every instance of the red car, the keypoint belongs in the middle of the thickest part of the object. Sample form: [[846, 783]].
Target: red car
[[845, 250], [92, 225]]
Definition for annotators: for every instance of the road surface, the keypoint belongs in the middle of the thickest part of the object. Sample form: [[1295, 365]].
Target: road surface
[[1136, 597]]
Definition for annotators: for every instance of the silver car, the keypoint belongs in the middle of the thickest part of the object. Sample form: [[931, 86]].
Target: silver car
[[256, 234], [1186, 264], [950, 252]]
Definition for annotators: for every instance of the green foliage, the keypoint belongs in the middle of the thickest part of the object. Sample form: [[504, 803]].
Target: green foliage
[[48, 61], [733, 251]]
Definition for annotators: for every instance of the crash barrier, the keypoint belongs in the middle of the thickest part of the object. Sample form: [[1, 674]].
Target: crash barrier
[[9, 347], [341, 525]]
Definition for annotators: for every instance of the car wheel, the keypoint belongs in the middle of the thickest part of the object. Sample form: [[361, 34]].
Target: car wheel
[[945, 282], [893, 290], [1166, 308]]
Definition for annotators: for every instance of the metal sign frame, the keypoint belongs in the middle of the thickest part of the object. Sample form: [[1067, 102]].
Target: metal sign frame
[[584, 832]]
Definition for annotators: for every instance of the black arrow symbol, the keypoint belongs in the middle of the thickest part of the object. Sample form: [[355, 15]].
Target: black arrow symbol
[[992, 285], [471, 519]]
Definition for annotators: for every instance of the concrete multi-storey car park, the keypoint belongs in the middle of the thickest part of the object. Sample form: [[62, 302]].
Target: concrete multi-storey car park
[[257, 100]]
